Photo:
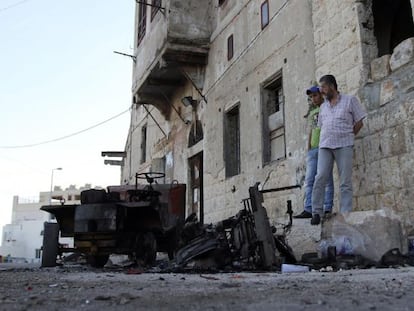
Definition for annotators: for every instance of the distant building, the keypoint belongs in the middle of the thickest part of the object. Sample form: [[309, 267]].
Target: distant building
[[23, 238]]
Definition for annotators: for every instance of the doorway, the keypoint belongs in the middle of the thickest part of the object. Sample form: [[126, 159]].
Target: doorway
[[195, 164]]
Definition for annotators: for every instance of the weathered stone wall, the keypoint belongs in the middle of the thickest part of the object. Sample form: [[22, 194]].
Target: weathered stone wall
[[334, 36], [344, 41], [345, 46], [259, 54], [387, 178]]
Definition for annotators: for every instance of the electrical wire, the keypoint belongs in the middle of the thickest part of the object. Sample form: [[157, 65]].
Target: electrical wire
[[66, 136], [13, 5]]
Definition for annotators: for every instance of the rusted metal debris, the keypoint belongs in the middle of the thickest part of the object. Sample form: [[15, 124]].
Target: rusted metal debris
[[244, 241]]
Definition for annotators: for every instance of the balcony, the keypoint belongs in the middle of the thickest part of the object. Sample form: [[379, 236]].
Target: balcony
[[171, 46]]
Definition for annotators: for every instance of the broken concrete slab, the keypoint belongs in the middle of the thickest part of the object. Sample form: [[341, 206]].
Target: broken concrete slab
[[367, 233]]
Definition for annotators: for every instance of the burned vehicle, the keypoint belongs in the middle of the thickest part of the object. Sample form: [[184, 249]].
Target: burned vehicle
[[245, 241], [136, 220]]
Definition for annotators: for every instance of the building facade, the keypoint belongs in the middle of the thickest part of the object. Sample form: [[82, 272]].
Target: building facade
[[23, 237], [218, 96]]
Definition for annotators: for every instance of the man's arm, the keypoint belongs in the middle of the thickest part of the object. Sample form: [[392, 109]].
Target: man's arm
[[358, 126]]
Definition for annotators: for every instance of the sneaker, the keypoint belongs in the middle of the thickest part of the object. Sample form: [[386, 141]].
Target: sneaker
[[316, 220], [304, 214]]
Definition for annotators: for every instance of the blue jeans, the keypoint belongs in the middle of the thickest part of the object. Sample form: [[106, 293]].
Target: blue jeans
[[311, 170], [343, 158]]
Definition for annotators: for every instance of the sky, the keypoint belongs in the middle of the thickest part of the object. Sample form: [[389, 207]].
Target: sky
[[59, 76]]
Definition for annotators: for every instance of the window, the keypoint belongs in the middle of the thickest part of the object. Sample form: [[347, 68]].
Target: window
[[221, 2], [142, 21], [393, 23], [230, 47], [232, 142], [265, 13], [144, 144], [273, 120], [196, 133], [156, 4], [37, 253]]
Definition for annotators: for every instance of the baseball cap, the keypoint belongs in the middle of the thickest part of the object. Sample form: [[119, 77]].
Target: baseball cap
[[313, 89]]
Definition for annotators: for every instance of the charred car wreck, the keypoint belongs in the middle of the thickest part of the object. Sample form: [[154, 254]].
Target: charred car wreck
[[141, 220], [245, 241]]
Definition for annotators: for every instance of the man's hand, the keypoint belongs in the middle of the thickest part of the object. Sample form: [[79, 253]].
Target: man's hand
[[358, 126]]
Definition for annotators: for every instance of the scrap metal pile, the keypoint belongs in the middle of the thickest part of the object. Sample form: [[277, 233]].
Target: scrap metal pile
[[245, 241]]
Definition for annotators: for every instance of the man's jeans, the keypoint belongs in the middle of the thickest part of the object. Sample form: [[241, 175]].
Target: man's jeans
[[343, 158], [311, 169]]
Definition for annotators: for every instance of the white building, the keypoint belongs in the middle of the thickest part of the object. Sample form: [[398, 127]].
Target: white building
[[23, 237]]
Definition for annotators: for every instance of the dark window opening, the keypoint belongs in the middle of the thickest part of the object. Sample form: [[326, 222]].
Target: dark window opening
[[274, 145], [142, 21], [230, 47], [393, 23], [265, 13], [144, 144], [155, 8], [221, 2], [232, 142], [196, 133], [196, 186]]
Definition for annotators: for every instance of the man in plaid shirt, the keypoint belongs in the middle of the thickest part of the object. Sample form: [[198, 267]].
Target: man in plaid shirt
[[340, 119]]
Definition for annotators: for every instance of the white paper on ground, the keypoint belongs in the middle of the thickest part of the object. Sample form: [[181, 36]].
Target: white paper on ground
[[287, 268]]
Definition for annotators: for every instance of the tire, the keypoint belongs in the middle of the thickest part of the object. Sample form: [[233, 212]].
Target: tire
[[50, 248], [146, 249], [97, 261]]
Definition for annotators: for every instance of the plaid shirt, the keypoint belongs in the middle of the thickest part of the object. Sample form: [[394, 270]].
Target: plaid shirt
[[337, 122]]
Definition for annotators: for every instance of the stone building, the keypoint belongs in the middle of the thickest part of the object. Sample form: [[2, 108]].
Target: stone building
[[218, 97]]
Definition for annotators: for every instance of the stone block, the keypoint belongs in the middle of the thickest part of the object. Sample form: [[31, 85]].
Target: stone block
[[372, 148], [358, 152], [373, 177], [403, 53], [366, 203], [396, 113], [375, 121], [409, 107], [390, 173], [387, 92], [358, 180], [409, 135], [385, 200], [380, 67], [407, 169], [366, 233], [370, 96], [404, 200], [397, 140], [303, 237]]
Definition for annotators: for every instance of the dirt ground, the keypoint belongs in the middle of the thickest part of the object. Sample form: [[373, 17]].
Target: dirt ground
[[77, 287]]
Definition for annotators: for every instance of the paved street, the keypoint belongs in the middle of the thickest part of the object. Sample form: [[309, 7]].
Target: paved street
[[27, 287]]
